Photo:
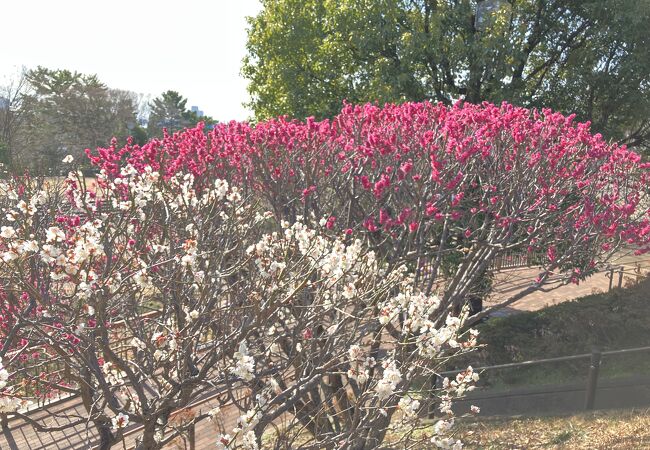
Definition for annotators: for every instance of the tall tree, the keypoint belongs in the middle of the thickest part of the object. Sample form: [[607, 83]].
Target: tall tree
[[587, 57], [169, 111], [70, 112], [13, 114]]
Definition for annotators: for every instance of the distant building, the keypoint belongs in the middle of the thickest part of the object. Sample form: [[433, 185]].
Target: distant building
[[4, 103], [197, 111]]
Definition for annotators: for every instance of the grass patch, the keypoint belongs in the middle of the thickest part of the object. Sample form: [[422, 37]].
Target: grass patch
[[612, 321], [600, 430]]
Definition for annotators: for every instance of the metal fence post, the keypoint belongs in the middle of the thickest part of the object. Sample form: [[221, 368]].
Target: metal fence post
[[436, 383], [620, 277], [611, 279], [592, 379]]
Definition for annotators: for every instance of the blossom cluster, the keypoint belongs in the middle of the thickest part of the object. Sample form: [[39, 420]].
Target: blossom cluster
[[462, 160], [349, 295], [436, 182], [81, 260]]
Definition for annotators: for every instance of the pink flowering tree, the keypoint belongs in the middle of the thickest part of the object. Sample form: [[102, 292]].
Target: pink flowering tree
[[157, 288], [314, 323], [444, 190]]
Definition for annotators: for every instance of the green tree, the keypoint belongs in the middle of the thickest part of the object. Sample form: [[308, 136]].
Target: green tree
[[69, 112], [169, 110], [139, 135], [13, 114], [584, 56]]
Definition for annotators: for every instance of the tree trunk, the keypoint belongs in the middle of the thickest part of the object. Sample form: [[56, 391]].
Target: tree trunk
[[147, 441], [106, 438]]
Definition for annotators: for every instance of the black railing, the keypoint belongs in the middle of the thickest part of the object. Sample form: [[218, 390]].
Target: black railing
[[591, 382]]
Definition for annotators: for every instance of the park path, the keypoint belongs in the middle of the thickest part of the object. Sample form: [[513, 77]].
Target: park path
[[510, 281], [22, 436]]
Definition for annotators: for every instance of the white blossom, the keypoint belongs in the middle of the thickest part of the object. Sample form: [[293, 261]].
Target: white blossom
[[54, 234], [120, 421], [113, 374], [249, 441], [4, 375], [244, 363], [391, 378], [409, 407], [224, 442], [213, 413], [7, 232]]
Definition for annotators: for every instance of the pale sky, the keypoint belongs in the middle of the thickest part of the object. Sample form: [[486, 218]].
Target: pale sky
[[145, 46]]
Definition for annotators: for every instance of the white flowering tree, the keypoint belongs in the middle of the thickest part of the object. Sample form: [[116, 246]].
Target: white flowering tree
[[347, 346], [151, 292]]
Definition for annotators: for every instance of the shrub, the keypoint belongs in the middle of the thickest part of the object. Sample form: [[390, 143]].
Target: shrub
[[184, 289], [445, 190]]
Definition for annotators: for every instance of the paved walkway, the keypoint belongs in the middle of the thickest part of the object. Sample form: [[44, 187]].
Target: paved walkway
[[509, 282]]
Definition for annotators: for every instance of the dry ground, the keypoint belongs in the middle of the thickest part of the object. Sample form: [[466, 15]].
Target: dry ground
[[629, 429]]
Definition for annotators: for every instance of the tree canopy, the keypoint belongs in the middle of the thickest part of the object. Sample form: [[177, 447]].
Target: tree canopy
[[169, 110], [444, 190], [51, 113], [578, 56], [46, 114]]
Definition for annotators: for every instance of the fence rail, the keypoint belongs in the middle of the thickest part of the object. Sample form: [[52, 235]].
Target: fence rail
[[54, 367], [517, 259], [591, 382], [506, 260]]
